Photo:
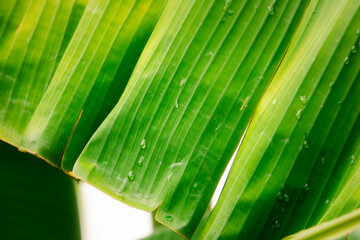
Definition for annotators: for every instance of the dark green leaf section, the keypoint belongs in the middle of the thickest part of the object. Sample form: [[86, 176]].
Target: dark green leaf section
[[90, 78], [342, 191], [33, 36], [37, 201], [298, 131], [187, 104]]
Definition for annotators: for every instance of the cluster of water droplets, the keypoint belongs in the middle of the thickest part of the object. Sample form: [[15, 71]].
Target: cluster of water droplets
[[286, 199], [353, 50], [131, 174], [227, 11], [303, 100]]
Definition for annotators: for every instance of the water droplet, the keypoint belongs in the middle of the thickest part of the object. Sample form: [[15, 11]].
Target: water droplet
[[358, 32], [218, 127], [352, 159], [195, 186], [306, 187], [286, 198], [303, 99], [143, 144], [230, 12], [298, 114], [277, 224], [169, 218], [271, 10], [347, 60], [182, 82], [327, 202], [227, 5], [323, 160], [306, 145], [131, 176], [331, 85], [176, 103], [282, 209], [141, 160], [340, 103], [280, 196], [353, 49]]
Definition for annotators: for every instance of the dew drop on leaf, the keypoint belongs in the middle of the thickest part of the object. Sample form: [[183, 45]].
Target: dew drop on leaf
[[277, 224], [169, 218], [346, 60], [353, 49], [140, 161], [322, 160], [143, 144], [306, 145], [271, 10], [227, 5], [131, 176], [306, 187], [286, 198], [303, 99], [352, 159], [280, 196], [298, 114]]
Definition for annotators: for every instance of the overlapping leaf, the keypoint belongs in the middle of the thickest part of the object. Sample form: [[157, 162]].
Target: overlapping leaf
[[188, 102], [90, 77], [343, 226], [33, 37], [37, 201], [298, 132]]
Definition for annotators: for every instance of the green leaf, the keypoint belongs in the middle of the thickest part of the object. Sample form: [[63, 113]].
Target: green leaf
[[187, 104], [33, 36], [332, 229], [37, 201], [305, 116], [90, 77], [163, 233], [342, 193]]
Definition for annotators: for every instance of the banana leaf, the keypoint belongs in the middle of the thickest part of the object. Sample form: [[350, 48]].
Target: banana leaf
[[342, 192], [37, 201], [90, 77], [187, 104], [335, 229], [298, 131], [33, 37]]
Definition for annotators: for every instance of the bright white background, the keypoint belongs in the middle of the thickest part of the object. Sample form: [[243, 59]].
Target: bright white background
[[104, 218]]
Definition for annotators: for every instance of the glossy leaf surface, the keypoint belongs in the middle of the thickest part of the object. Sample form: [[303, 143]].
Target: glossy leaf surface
[[187, 104], [298, 131]]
